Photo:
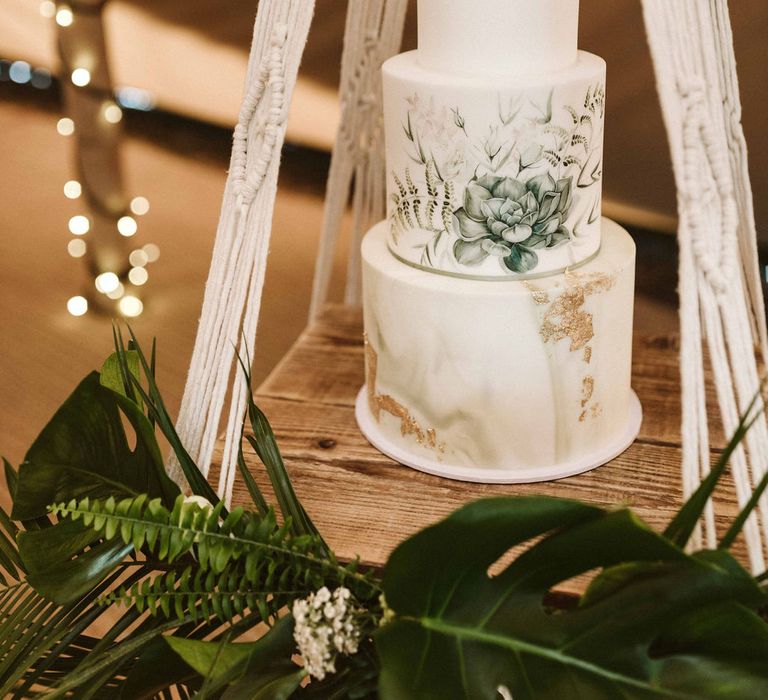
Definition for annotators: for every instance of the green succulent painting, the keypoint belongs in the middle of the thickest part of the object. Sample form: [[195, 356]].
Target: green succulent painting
[[511, 220]]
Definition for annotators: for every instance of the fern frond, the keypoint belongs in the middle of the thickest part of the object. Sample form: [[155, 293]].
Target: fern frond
[[201, 594], [267, 555]]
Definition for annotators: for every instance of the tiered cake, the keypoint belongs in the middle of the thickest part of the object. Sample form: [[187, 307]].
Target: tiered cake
[[498, 303]]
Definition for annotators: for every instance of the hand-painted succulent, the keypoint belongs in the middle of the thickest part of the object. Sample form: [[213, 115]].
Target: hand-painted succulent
[[510, 219]]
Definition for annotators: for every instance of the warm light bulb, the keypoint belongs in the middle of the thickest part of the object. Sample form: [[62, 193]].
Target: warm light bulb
[[81, 77], [79, 225], [130, 306], [127, 225], [48, 9], [138, 258], [72, 189], [77, 306], [112, 113], [138, 276], [76, 247], [117, 293], [65, 126], [107, 282], [152, 251], [139, 206], [64, 16]]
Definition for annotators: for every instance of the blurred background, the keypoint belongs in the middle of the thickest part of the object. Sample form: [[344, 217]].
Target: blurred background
[[177, 69]]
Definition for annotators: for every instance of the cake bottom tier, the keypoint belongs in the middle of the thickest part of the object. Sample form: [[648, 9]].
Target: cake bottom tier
[[499, 380]]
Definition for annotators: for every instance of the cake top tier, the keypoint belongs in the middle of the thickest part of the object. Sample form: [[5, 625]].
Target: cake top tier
[[498, 37]]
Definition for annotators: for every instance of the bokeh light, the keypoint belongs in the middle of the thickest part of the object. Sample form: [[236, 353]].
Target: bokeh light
[[79, 225], [64, 16], [152, 251], [130, 306], [77, 247], [107, 282], [127, 225], [77, 306], [65, 126], [139, 206], [72, 189], [138, 276], [81, 77], [112, 113], [20, 72], [138, 258]]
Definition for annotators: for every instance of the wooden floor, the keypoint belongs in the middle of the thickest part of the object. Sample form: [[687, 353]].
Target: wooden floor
[[181, 167]]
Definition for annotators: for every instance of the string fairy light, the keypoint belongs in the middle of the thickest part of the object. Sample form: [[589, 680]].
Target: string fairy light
[[81, 77], [65, 126], [77, 247], [138, 276], [138, 258], [112, 112], [152, 251], [64, 15], [130, 306], [107, 282], [79, 225], [77, 306], [127, 226], [72, 189], [83, 57], [139, 206], [117, 292]]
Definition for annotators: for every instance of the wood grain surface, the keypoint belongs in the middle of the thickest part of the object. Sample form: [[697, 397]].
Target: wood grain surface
[[365, 503]]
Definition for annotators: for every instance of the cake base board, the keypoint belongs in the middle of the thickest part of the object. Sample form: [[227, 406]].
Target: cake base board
[[372, 432]]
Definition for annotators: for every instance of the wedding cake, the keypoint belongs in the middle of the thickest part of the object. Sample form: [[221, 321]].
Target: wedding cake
[[497, 301]]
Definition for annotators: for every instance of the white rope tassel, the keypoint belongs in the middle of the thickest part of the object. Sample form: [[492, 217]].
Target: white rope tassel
[[720, 291], [235, 282], [373, 33]]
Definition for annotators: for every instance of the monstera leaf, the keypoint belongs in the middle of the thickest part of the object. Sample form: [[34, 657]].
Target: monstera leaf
[[84, 451], [656, 623]]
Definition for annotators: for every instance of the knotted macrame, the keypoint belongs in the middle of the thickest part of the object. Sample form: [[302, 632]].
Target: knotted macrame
[[233, 291], [236, 278], [721, 302], [373, 33]]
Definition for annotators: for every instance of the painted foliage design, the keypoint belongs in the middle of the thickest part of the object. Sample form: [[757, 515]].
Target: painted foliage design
[[504, 190]]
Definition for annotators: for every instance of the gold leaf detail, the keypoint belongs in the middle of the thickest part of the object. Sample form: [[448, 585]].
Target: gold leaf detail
[[384, 402]]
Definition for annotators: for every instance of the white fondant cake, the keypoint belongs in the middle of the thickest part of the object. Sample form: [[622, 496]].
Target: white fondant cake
[[516, 377], [498, 304]]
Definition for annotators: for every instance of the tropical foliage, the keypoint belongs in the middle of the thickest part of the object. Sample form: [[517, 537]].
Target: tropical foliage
[[114, 584]]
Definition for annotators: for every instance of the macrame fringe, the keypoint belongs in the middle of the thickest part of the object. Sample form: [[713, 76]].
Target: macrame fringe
[[721, 301], [236, 278], [373, 33]]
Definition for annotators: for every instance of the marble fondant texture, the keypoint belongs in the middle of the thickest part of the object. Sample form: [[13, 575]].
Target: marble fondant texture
[[494, 176], [520, 375]]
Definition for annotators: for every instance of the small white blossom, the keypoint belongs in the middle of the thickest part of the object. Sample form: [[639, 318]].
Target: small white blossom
[[324, 627]]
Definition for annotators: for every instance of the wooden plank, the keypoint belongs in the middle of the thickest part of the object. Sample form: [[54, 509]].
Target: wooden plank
[[365, 503]]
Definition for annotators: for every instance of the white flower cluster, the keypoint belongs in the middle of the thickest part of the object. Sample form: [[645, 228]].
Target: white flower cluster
[[324, 627]]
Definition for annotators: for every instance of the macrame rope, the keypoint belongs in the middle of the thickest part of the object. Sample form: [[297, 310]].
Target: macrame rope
[[233, 291], [373, 33], [721, 302]]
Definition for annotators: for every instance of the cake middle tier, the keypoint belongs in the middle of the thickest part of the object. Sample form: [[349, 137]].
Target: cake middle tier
[[491, 177]]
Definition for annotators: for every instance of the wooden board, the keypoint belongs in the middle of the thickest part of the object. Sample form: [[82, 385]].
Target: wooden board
[[365, 503]]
